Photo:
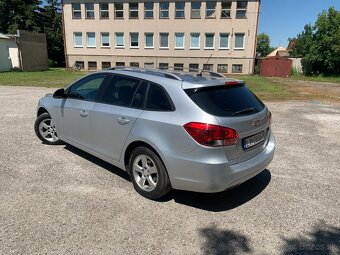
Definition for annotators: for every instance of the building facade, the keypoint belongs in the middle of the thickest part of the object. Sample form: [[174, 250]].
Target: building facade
[[215, 35]]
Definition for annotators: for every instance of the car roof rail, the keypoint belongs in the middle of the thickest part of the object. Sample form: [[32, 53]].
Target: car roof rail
[[152, 71]]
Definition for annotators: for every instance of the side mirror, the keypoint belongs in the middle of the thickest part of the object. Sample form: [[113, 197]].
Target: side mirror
[[60, 93]]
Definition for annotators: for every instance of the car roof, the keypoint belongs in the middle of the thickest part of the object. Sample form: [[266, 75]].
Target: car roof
[[186, 79]]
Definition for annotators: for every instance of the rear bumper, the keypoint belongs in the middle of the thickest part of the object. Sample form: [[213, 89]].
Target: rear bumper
[[213, 175]]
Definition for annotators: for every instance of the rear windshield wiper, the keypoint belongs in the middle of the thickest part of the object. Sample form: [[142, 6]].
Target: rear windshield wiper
[[246, 110]]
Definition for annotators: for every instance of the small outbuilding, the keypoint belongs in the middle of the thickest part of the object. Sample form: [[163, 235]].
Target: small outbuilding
[[276, 66], [9, 54]]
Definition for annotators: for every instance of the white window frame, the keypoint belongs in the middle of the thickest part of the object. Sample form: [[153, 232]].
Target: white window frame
[[101, 11], [101, 39], [160, 35], [134, 33], [180, 10], [183, 36], [199, 41], [133, 10], [244, 41], [118, 10], [219, 43], [153, 40], [164, 10], [206, 10], [205, 41], [227, 10], [242, 10], [234, 65], [195, 11], [76, 10], [149, 10], [74, 40], [87, 40], [119, 46], [89, 10]]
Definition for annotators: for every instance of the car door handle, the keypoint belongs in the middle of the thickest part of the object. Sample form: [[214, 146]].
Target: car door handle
[[84, 113], [123, 121]]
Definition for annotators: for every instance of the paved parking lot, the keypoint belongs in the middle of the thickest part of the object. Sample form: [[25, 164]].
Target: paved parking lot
[[59, 200]]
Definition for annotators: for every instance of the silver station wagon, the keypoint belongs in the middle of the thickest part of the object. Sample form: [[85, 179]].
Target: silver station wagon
[[167, 129]]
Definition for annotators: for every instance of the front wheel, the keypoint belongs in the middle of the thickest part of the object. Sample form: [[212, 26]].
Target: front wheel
[[45, 130], [148, 173]]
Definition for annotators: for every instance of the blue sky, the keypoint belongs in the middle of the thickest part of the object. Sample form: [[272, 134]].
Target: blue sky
[[281, 19]]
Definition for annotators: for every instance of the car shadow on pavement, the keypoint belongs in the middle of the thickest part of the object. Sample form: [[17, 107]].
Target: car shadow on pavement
[[107, 166], [220, 241], [225, 200]]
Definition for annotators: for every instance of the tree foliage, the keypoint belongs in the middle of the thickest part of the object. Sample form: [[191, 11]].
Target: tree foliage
[[33, 15], [263, 45], [319, 44]]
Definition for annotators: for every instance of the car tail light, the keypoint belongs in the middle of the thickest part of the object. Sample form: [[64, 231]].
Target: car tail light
[[211, 135], [231, 83]]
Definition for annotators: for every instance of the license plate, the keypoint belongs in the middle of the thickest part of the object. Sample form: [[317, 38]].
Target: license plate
[[253, 140]]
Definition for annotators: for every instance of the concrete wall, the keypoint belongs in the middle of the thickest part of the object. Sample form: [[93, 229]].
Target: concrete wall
[[33, 50], [157, 25]]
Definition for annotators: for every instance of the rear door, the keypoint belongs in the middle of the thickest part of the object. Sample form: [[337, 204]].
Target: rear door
[[75, 111], [235, 106], [119, 106]]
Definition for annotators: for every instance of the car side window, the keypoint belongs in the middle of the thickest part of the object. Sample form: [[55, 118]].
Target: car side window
[[157, 99], [120, 90], [86, 88]]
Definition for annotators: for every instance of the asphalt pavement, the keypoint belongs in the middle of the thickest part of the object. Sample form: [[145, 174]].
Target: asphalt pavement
[[60, 200]]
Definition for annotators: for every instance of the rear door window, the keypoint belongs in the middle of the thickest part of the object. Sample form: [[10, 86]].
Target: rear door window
[[226, 101]]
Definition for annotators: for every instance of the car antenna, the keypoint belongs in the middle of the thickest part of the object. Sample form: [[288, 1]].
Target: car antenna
[[200, 74]]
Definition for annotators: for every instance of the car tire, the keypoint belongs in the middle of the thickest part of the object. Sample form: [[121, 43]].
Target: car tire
[[148, 174], [45, 130]]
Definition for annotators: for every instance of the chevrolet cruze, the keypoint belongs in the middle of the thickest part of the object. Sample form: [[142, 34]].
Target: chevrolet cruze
[[167, 129]]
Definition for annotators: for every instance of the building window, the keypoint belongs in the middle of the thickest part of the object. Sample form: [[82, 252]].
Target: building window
[[164, 10], [237, 68], [148, 40], [149, 65], [79, 64], [194, 40], [209, 40], [195, 10], [239, 41], [120, 63], [226, 10], [163, 66], [78, 39], [179, 10], [148, 10], [106, 65], [133, 7], [76, 11], [224, 41], [134, 64], [164, 40], [178, 67], [222, 68], [241, 9], [134, 40], [119, 10], [92, 65], [208, 67], [210, 9], [193, 67], [179, 40], [91, 39], [119, 40], [105, 39], [104, 10], [89, 10]]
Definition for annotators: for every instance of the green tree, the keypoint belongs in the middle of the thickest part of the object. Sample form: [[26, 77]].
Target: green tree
[[263, 45], [319, 45], [19, 14], [51, 25]]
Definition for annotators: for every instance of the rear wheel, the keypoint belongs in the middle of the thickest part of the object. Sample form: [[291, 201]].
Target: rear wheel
[[148, 174], [45, 130]]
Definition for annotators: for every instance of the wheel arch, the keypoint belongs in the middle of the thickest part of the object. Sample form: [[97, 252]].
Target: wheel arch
[[41, 110]]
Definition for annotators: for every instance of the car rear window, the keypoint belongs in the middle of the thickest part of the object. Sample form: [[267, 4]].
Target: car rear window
[[226, 101]]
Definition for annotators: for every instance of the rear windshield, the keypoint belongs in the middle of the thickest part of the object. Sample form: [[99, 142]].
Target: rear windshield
[[226, 101]]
